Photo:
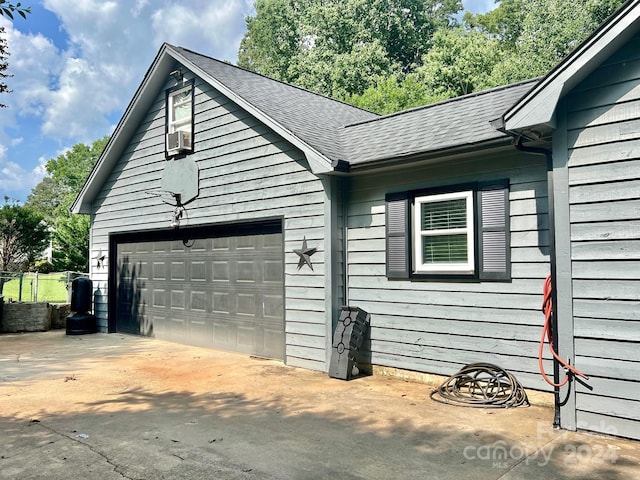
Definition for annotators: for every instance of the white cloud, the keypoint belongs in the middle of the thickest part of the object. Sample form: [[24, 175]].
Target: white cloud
[[213, 28], [72, 89], [14, 177], [111, 46], [34, 63], [40, 170]]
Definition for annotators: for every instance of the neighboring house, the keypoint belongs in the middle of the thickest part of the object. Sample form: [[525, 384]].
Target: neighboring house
[[241, 213]]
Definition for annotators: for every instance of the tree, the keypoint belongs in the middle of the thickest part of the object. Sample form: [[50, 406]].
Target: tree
[[45, 199], [272, 39], [53, 197], [535, 35], [4, 65], [24, 236], [7, 9], [71, 243], [459, 62], [516, 41], [387, 55], [393, 94], [341, 47], [503, 23]]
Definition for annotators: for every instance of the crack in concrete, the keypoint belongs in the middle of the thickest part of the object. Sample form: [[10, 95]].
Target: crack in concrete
[[116, 468]]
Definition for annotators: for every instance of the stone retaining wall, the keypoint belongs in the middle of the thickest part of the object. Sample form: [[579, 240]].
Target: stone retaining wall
[[32, 317], [59, 313]]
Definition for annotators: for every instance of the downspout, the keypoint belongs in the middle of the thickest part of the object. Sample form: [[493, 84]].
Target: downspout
[[345, 188], [552, 258], [345, 241]]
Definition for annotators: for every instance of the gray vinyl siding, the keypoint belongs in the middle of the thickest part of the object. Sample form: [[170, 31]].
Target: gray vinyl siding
[[439, 326], [603, 137], [247, 173]]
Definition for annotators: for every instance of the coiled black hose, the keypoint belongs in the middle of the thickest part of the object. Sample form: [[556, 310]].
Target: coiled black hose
[[482, 385]]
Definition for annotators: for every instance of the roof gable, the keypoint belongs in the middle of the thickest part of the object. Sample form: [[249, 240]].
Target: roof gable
[[309, 121], [538, 107], [312, 118]]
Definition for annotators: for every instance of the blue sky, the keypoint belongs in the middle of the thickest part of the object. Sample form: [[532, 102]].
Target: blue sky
[[76, 65]]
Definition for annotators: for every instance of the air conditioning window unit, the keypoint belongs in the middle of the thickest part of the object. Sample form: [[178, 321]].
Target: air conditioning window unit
[[178, 142]]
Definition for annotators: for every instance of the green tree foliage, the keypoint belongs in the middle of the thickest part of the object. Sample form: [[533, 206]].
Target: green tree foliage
[[45, 199], [341, 47], [387, 55], [55, 194], [516, 41], [272, 39], [71, 243], [7, 9], [395, 93], [24, 236], [503, 23], [535, 35], [459, 62]]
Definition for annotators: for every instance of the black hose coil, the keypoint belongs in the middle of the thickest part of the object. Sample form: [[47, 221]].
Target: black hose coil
[[482, 385]]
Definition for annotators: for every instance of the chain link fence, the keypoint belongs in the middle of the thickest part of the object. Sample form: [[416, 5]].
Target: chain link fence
[[37, 287]]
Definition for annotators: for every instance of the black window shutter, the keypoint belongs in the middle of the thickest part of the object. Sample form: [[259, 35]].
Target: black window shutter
[[398, 241], [493, 231]]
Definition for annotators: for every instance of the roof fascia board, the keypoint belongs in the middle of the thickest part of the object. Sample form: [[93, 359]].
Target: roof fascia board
[[537, 108], [318, 162], [135, 111]]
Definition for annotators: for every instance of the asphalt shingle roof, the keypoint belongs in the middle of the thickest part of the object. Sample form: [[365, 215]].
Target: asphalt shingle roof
[[462, 121], [343, 132], [315, 119]]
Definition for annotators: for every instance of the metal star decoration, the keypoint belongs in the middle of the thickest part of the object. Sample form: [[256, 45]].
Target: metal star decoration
[[99, 259], [305, 254]]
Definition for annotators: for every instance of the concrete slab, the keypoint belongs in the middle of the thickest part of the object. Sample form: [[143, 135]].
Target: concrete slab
[[114, 406]]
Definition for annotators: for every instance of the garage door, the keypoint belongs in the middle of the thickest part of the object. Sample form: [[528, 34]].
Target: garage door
[[214, 288]]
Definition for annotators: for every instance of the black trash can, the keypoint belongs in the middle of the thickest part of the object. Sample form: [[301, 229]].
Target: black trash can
[[82, 321], [81, 289]]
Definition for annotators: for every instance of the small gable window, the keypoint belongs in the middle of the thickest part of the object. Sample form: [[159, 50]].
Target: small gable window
[[179, 127], [458, 232]]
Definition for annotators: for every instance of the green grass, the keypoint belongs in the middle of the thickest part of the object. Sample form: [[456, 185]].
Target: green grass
[[51, 288]]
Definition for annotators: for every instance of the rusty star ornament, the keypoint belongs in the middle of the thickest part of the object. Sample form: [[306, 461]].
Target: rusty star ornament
[[305, 254]]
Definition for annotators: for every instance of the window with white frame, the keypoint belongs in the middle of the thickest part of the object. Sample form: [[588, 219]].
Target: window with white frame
[[443, 233], [449, 232], [180, 119]]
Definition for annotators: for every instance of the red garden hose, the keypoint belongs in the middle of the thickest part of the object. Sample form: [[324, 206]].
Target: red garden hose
[[547, 308]]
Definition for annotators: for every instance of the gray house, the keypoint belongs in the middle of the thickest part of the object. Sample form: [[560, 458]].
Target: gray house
[[237, 212]]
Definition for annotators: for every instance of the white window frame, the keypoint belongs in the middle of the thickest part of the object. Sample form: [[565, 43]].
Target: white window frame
[[461, 268], [184, 124], [181, 96]]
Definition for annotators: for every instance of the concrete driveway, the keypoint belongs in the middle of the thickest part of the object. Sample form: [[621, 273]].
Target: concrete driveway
[[114, 406]]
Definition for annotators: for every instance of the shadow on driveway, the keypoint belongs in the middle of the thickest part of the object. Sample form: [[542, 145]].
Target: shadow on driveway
[[113, 406]]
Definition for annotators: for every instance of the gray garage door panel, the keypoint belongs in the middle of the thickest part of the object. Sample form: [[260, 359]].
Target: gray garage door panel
[[220, 292]]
